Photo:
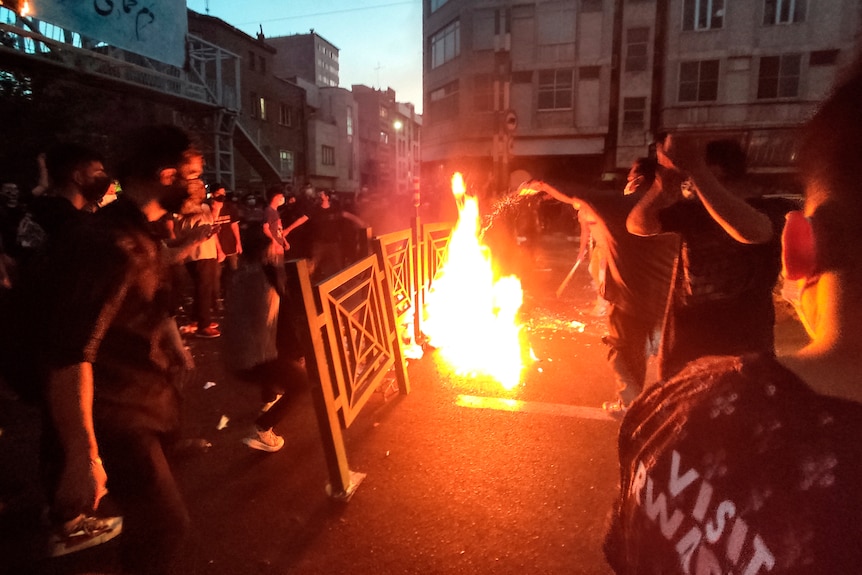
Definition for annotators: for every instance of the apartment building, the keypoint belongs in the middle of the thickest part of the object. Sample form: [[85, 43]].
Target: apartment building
[[575, 90]]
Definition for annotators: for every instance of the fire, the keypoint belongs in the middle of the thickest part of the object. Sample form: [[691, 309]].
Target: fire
[[471, 317]]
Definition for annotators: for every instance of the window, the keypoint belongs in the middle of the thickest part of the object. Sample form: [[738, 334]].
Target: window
[[285, 115], [255, 110], [637, 49], [483, 92], [698, 81], [349, 123], [702, 14], [783, 11], [634, 113], [327, 155], [384, 137], [779, 76], [262, 65], [443, 102], [261, 106], [252, 60], [555, 89], [285, 163], [446, 44], [384, 113], [435, 4]]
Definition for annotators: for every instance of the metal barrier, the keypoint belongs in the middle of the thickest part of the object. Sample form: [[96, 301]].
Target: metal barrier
[[356, 324]]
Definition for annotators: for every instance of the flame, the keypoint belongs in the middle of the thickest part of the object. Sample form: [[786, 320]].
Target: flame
[[471, 318]]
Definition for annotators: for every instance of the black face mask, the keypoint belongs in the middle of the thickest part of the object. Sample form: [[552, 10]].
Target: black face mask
[[95, 190], [175, 195]]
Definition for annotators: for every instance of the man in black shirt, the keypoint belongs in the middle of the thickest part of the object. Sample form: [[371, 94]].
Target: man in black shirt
[[111, 347], [751, 464]]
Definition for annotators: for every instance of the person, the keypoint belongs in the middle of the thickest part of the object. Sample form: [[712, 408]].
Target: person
[[77, 180], [750, 464], [226, 218], [326, 221], [636, 278], [722, 294], [272, 226], [112, 351], [260, 334], [202, 263]]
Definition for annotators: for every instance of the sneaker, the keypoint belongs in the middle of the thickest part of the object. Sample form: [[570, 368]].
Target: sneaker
[[615, 408], [264, 440], [208, 332], [84, 532]]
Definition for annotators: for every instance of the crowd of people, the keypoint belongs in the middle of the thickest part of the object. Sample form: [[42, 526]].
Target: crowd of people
[[92, 300], [735, 460]]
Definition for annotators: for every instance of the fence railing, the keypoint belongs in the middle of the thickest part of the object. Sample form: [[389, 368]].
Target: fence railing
[[357, 325]]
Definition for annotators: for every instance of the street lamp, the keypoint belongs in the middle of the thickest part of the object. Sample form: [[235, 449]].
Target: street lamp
[[397, 124]]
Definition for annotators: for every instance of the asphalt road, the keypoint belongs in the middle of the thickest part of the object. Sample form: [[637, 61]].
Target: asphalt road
[[462, 476]]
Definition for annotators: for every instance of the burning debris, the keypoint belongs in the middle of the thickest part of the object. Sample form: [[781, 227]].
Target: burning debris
[[472, 309]]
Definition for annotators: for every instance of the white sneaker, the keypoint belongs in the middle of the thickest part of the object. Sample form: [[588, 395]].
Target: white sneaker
[[264, 440], [84, 532]]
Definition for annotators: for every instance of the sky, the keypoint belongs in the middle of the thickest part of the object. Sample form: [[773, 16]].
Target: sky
[[379, 41]]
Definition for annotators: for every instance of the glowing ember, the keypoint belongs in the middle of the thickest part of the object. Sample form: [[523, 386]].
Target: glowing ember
[[471, 318]]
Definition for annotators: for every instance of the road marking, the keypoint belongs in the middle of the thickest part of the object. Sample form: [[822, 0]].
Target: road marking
[[501, 404]]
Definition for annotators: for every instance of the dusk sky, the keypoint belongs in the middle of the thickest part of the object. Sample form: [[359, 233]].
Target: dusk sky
[[379, 42]]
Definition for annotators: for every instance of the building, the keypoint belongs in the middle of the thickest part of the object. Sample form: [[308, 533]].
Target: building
[[407, 126], [332, 146], [312, 58], [574, 90], [268, 124]]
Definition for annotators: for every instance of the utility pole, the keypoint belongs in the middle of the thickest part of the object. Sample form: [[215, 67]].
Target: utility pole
[[612, 138]]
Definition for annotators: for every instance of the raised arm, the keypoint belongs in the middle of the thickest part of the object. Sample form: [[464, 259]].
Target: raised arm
[[532, 187], [740, 220], [643, 219]]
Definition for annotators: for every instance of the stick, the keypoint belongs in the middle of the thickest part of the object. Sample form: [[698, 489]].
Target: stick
[[568, 277]]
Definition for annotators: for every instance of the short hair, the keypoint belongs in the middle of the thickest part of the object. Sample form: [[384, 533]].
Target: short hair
[[728, 155], [273, 191], [216, 186], [148, 150], [64, 158]]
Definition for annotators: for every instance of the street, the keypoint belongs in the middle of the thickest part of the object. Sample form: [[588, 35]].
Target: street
[[462, 476]]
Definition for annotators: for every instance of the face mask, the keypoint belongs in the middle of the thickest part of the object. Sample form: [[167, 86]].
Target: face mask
[[94, 190], [792, 290]]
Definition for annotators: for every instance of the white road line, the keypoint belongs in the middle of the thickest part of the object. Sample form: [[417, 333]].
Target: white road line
[[501, 404]]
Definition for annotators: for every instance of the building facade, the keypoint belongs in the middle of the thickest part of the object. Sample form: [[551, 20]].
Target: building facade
[[575, 90], [268, 127], [312, 58]]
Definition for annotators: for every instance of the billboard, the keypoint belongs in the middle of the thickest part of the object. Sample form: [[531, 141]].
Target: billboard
[[152, 28]]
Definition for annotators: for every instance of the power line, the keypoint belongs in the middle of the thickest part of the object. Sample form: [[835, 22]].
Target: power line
[[331, 12]]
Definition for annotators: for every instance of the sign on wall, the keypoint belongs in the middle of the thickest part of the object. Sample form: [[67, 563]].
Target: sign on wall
[[152, 28]]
